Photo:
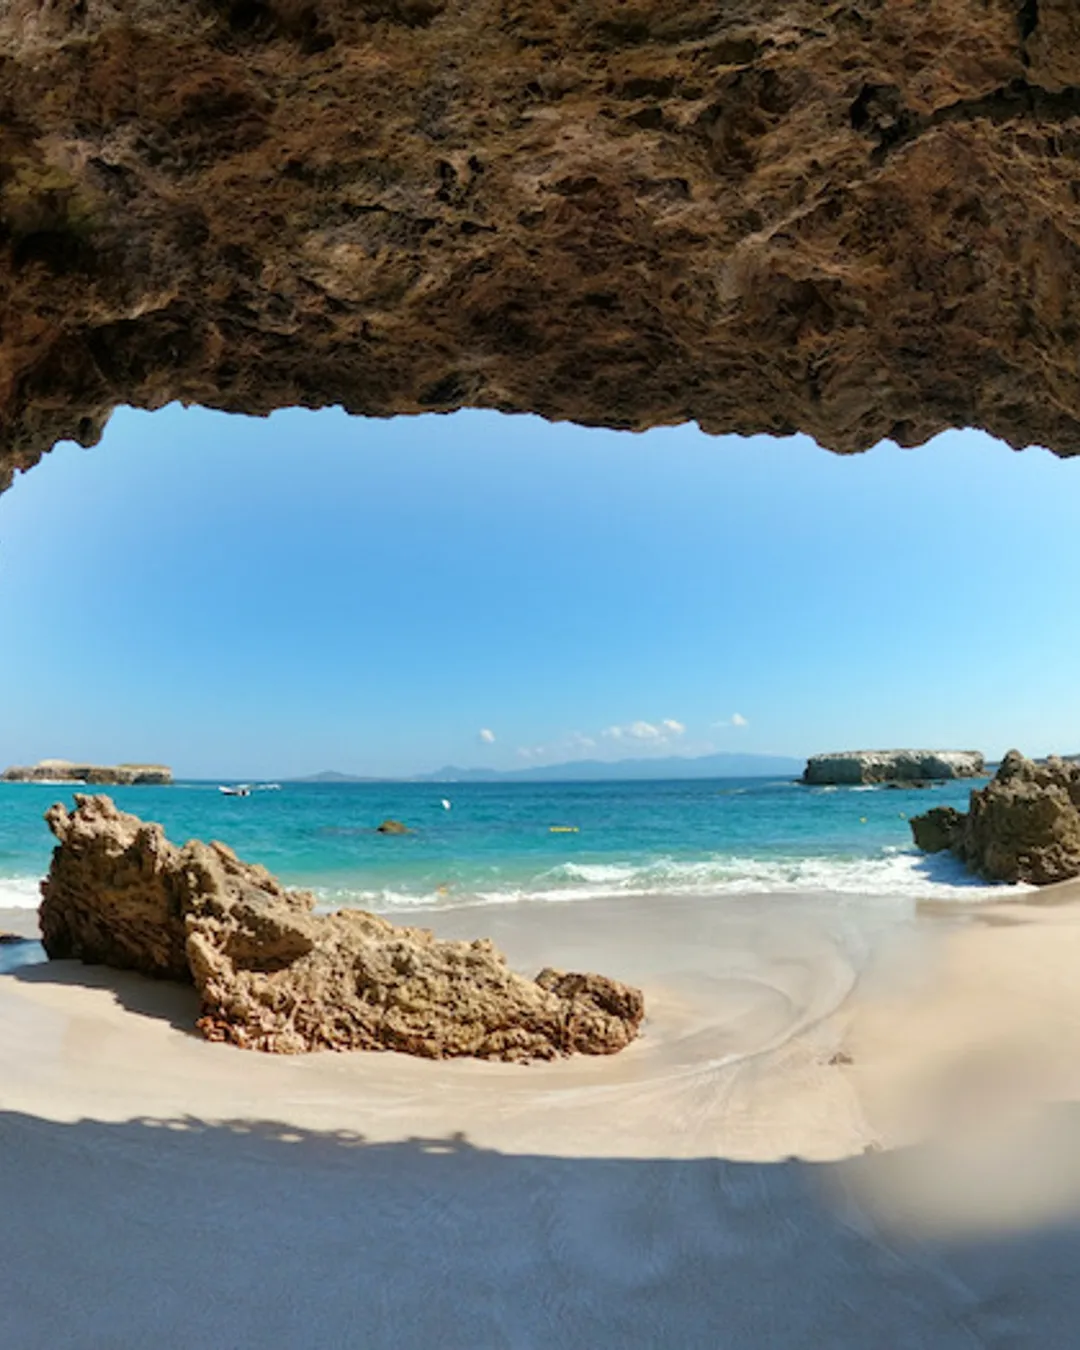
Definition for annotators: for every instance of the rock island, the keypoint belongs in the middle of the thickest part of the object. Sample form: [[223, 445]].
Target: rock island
[[892, 766], [66, 771]]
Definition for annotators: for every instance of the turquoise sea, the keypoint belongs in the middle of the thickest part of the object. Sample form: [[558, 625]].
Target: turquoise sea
[[557, 842]]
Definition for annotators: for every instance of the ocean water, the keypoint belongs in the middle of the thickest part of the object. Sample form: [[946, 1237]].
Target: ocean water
[[505, 843]]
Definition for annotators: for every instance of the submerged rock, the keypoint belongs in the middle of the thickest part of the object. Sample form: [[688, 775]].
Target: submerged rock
[[392, 827], [1023, 826], [896, 766], [273, 975]]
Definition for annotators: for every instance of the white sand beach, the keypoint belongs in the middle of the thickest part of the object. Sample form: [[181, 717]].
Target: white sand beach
[[752, 1173]]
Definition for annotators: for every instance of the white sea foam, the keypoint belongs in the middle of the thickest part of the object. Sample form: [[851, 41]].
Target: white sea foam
[[896, 873], [20, 892]]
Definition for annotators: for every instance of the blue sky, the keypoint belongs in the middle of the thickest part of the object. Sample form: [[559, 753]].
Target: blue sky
[[264, 597]]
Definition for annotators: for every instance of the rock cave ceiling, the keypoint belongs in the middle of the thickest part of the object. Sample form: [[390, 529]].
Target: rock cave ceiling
[[856, 220]]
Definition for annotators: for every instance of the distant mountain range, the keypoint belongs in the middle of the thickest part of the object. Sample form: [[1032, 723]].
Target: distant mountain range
[[332, 776], [597, 770]]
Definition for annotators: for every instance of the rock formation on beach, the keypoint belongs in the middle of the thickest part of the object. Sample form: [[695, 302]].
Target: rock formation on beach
[[765, 215], [273, 975], [1023, 826], [97, 775], [938, 829], [895, 766]]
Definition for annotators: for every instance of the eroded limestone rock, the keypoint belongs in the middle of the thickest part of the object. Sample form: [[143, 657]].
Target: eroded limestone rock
[[117, 892], [892, 766], [272, 975], [766, 215], [1023, 826], [98, 775]]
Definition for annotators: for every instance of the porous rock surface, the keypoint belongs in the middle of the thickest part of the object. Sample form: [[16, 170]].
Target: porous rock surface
[[272, 975], [853, 219], [892, 766], [1023, 826]]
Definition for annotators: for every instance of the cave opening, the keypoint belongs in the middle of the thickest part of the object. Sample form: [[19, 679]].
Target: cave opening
[[274, 596]]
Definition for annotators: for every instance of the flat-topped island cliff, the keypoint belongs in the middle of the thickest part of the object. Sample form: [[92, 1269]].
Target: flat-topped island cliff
[[892, 766], [100, 775]]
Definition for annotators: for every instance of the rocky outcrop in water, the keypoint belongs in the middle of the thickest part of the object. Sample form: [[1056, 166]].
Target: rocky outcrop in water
[[938, 829], [273, 975], [1023, 826], [896, 766], [857, 220], [96, 775]]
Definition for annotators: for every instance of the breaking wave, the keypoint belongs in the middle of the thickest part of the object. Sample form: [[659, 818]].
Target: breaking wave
[[895, 873], [20, 892]]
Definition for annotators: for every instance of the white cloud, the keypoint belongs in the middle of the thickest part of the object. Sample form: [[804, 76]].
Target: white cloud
[[525, 752], [655, 732], [738, 720], [487, 735], [580, 742], [643, 731]]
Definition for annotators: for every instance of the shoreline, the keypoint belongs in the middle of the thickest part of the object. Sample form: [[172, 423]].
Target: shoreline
[[904, 879]]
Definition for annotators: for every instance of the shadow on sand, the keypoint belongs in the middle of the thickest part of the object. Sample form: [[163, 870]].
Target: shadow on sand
[[182, 1233], [165, 1000]]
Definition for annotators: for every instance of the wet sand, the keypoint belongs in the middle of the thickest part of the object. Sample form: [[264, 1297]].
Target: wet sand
[[754, 1172]]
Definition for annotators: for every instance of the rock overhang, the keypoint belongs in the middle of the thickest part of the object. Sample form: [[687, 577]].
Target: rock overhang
[[855, 220]]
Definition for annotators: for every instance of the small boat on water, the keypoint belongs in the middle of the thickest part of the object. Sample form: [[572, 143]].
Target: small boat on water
[[240, 790]]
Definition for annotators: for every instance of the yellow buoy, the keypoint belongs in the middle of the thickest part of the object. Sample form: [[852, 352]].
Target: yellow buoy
[[563, 829]]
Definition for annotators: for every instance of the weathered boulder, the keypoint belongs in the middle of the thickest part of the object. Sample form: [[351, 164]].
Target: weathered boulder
[[98, 775], [273, 975], [117, 892], [1023, 826], [763, 215], [900, 766], [938, 829]]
